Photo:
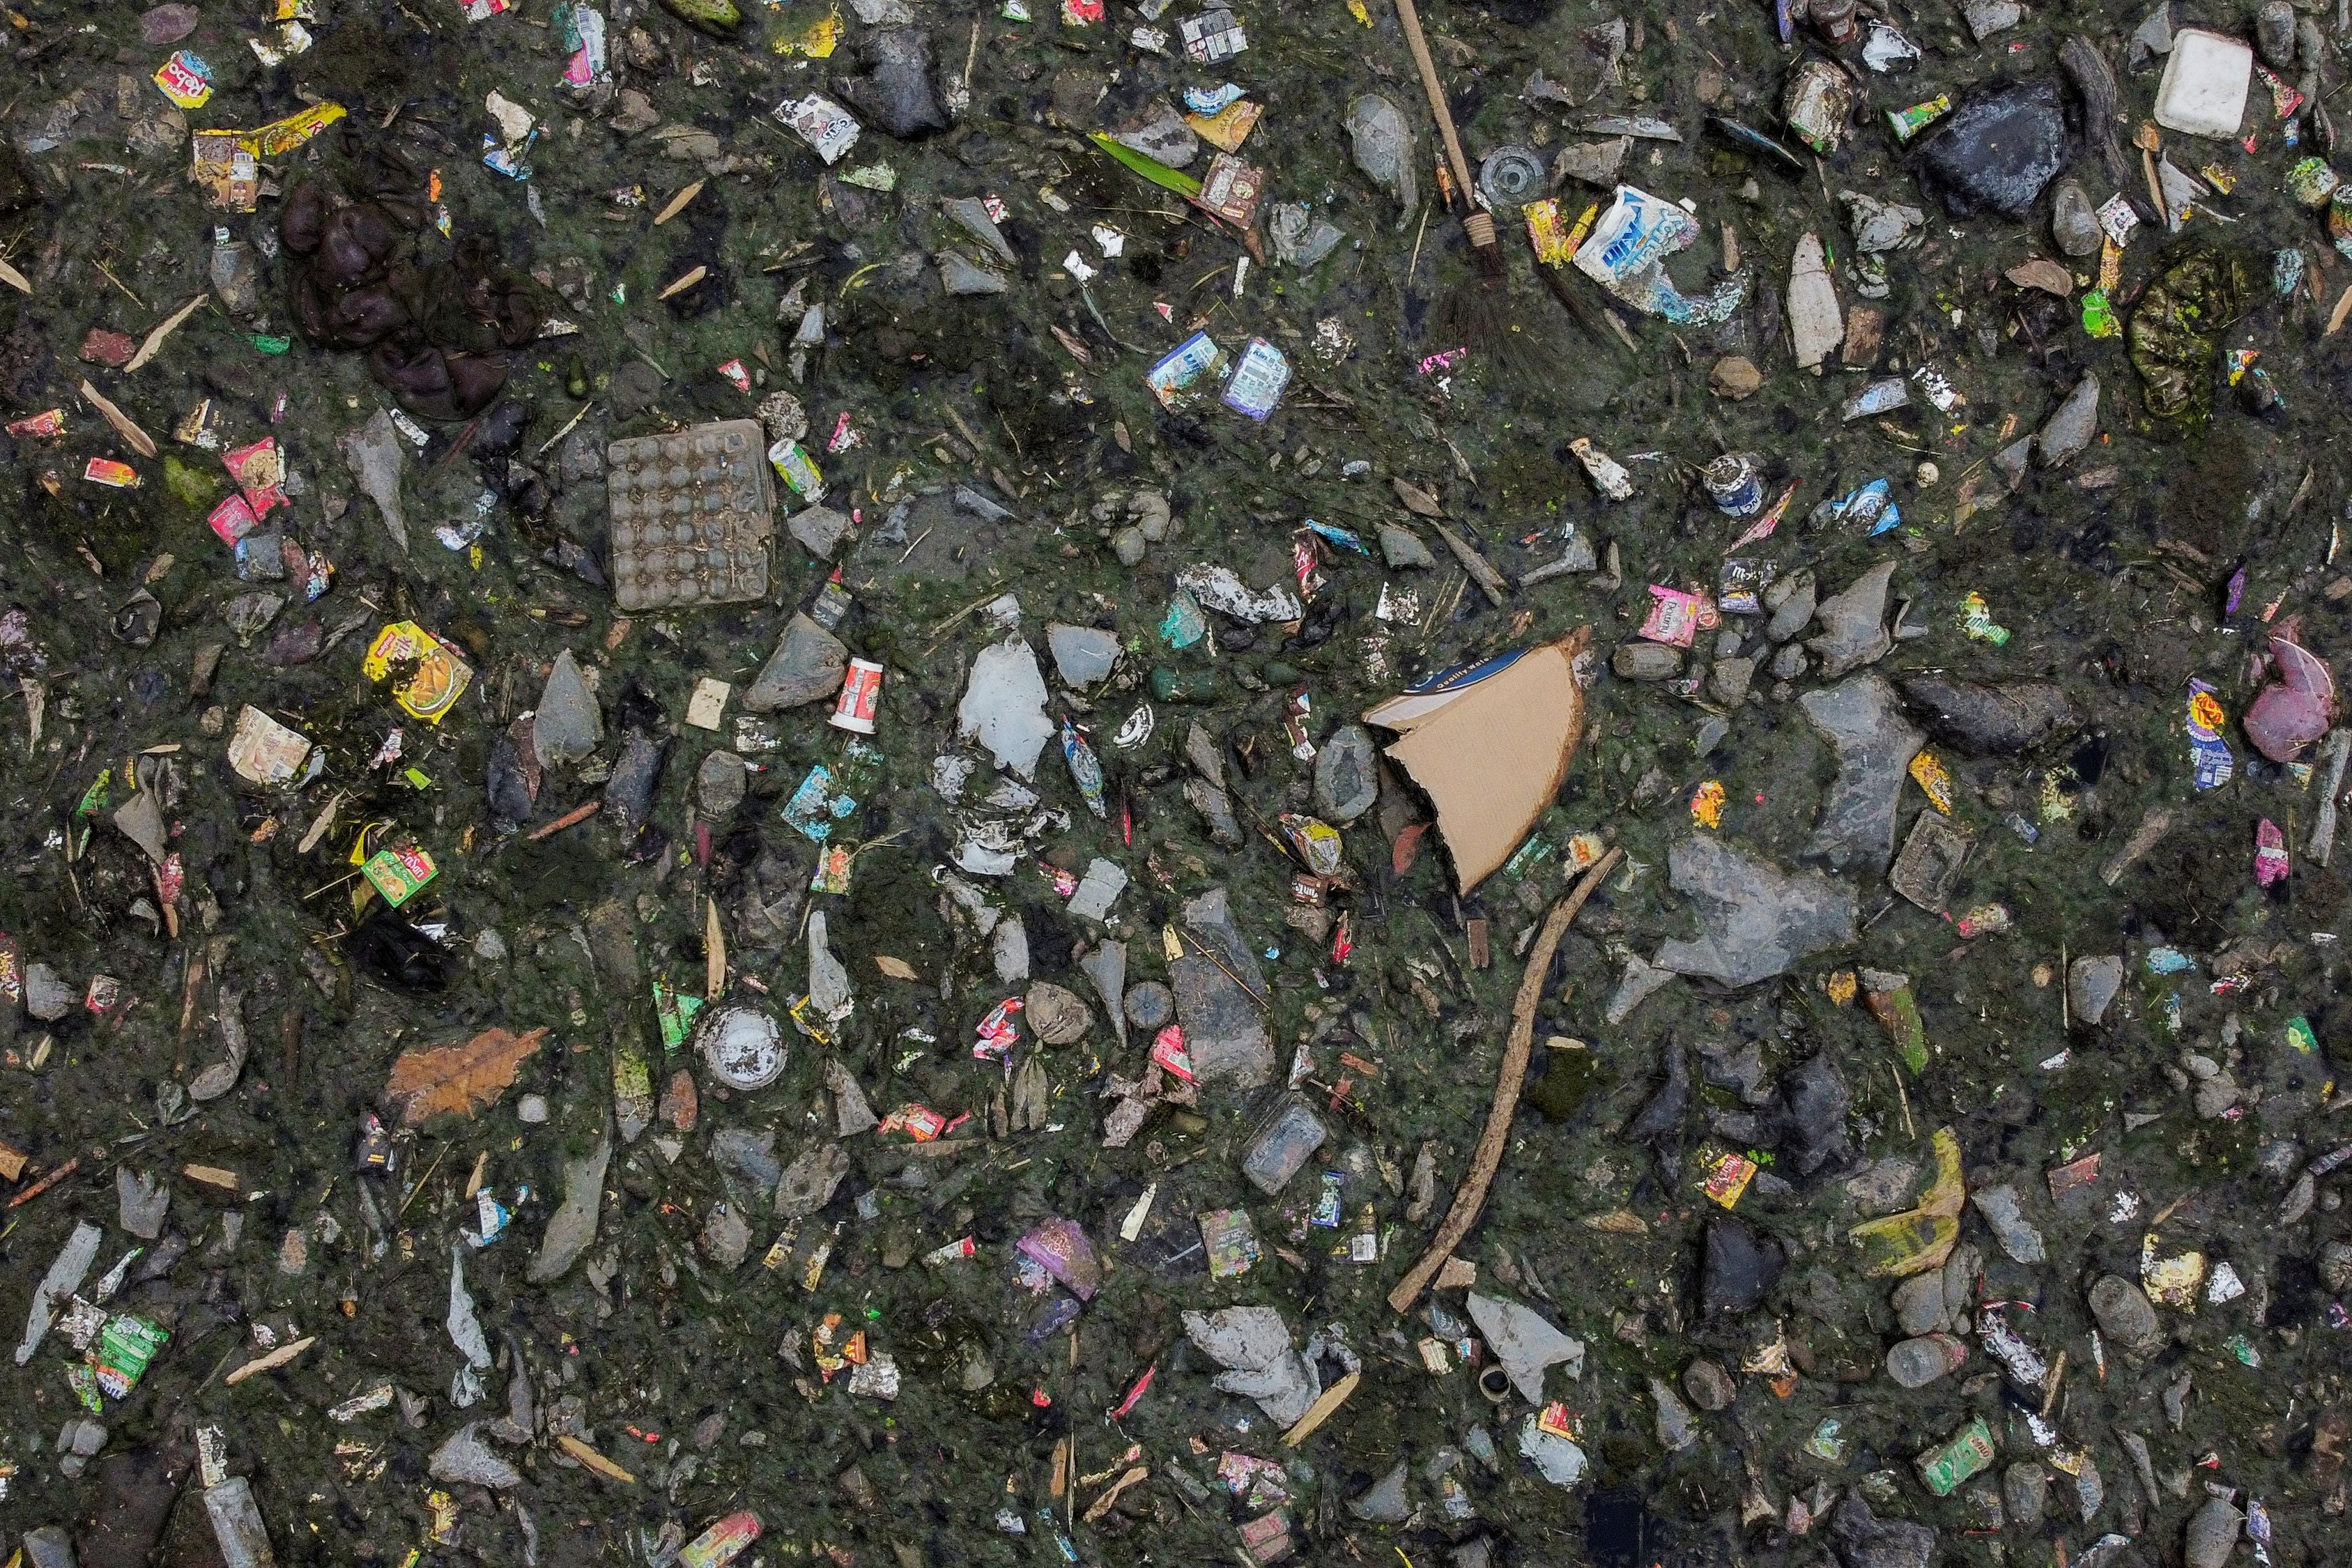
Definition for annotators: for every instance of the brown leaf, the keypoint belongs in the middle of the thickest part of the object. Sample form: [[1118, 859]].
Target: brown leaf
[[462, 1079], [2044, 274], [1416, 499], [896, 968]]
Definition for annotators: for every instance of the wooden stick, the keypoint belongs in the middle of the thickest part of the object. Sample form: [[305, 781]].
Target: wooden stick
[[1435, 90], [1471, 1195]]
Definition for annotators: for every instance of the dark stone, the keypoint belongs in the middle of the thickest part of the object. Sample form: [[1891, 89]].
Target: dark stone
[[1991, 720], [1865, 1541], [1736, 1270], [896, 93], [135, 1493], [1999, 151], [636, 774], [1815, 1099], [1662, 1118]]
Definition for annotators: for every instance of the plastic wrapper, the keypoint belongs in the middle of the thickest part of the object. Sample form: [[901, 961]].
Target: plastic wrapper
[[1627, 254]]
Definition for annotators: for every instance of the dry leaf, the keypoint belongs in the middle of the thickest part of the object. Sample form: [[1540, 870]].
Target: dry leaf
[[685, 282], [140, 440], [462, 1079], [677, 203], [714, 946], [896, 968], [2343, 309], [594, 1461], [1416, 499], [163, 329], [2044, 274], [1618, 1222], [271, 1361], [14, 279]]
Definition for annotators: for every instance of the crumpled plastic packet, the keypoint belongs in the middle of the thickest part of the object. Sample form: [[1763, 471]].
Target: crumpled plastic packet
[[1627, 255]]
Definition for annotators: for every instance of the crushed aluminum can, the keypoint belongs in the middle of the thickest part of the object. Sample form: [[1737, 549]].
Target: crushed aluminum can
[[1818, 103], [1736, 486], [1969, 1452], [861, 693]]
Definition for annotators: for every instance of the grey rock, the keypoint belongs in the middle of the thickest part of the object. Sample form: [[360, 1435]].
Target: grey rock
[[1885, 1185], [1865, 1541], [48, 1547], [2012, 460], [1009, 948], [974, 215], [1791, 661], [1593, 162], [47, 995], [1708, 1385], [2211, 1535], [820, 528], [1854, 631], [466, 1459], [1106, 964], [2091, 983], [1789, 602], [1525, 1341], [964, 278], [2275, 34], [810, 1180], [1216, 808], [376, 455], [1986, 17], [572, 1230], [141, 1201], [1201, 750], [1004, 706], [1997, 150], [1641, 981], [853, 1113], [719, 784], [2025, 1493], [2073, 222], [1082, 654], [140, 820], [726, 1237], [2004, 1216], [64, 1278], [749, 1156], [1150, 1004], [807, 666], [1129, 545], [985, 507], [2068, 431], [532, 1110], [1347, 775], [1646, 661], [1863, 722], [1919, 1361], [1991, 720], [568, 724], [80, 1435], [1385, 1501], [1224, 1028], [896, 94], [1755, 919], [1731, 678], [1919, 1306], [2123, 1313], [1676, 1427]]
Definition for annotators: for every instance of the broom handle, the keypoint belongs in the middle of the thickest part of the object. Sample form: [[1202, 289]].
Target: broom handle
[[1436, 93]]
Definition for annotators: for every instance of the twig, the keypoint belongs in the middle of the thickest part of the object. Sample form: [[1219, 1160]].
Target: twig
[[1471, 1195]]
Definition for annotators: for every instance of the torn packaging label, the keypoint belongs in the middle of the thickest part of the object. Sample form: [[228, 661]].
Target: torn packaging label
[[1490, 745]]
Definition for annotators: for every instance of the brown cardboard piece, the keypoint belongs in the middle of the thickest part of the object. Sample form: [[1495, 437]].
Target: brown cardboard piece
[[1490, 751]]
